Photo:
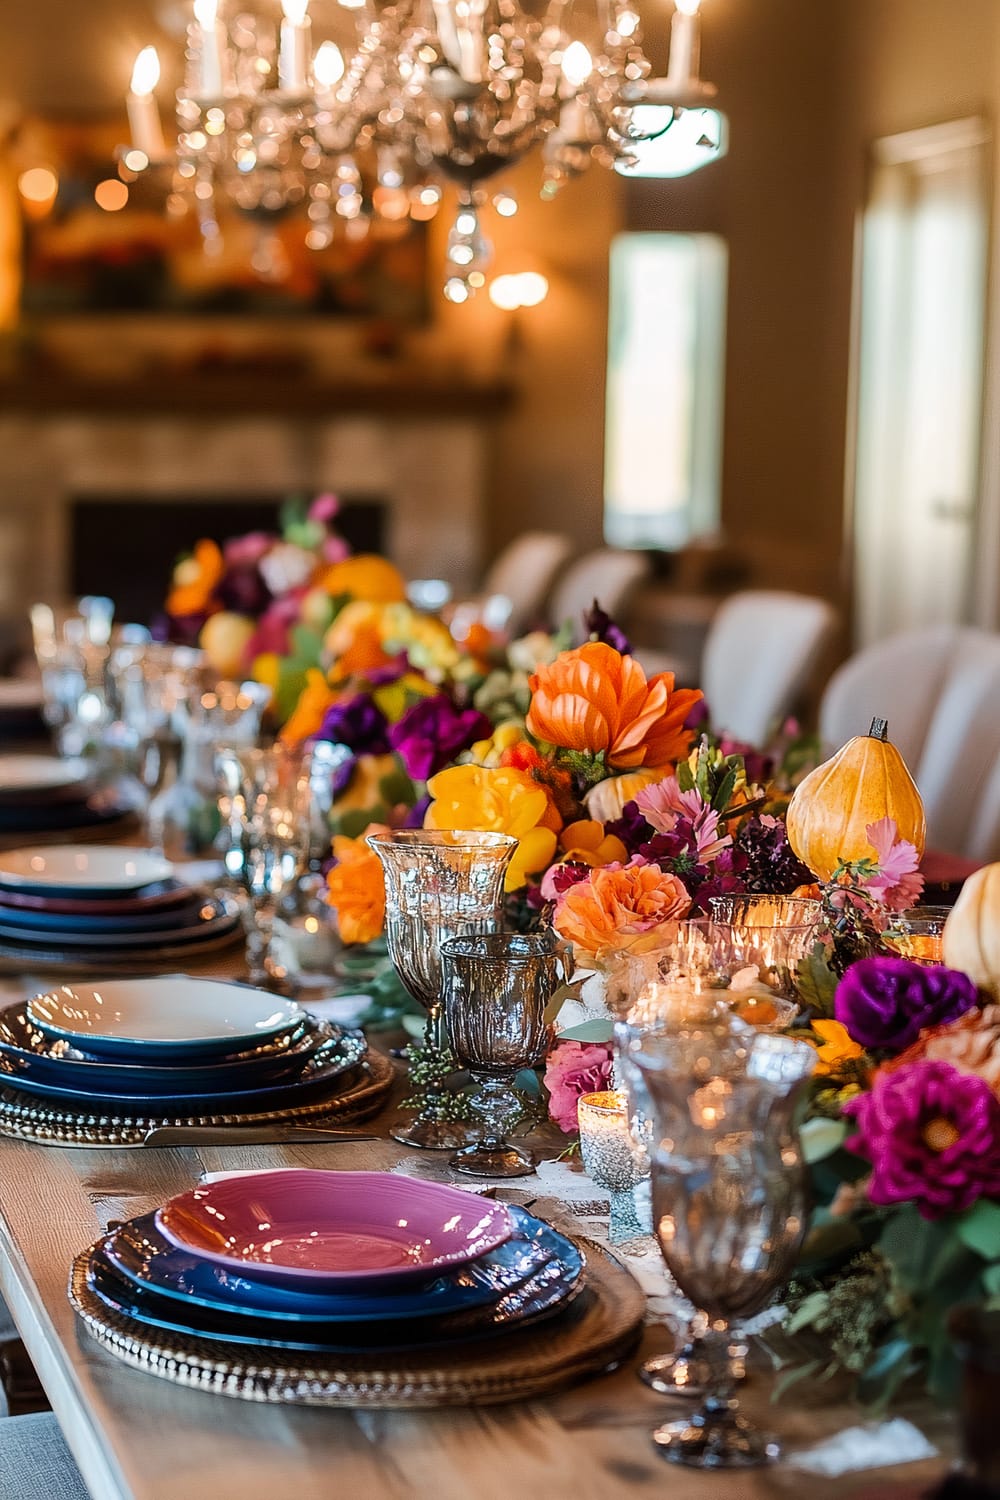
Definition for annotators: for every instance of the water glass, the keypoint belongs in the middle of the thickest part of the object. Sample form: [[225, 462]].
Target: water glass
[[496, 987], [769, 934], [918, 934]]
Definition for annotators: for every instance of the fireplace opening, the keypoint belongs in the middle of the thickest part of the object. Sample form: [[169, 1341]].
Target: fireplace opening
[[125, 546]]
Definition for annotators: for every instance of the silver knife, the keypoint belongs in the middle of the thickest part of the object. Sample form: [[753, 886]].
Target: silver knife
[[249, 1135]]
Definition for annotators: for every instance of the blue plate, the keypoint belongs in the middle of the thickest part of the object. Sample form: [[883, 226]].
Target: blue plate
[[212, 917], [558, 1279], [48, 1059], [140, 1253], [331, 1063], [53, 921]]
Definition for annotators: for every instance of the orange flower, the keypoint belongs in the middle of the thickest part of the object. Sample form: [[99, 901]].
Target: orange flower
[[195, 580], [836, 1046], [971, 1044], [353, 643], [366, 576], [594, 699], [619, 908], [356, 887], [307, 715]]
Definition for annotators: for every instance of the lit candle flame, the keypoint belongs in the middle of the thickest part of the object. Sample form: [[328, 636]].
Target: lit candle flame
[[577, 64], [328, 65], [205, 13], [295, 10], [146, 72], [688, 7]]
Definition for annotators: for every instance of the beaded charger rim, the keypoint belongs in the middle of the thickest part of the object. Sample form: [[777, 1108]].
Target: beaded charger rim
[[29, 1119], [594, 1335]]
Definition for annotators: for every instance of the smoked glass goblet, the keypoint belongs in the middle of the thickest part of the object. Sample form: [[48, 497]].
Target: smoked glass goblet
[[438, 885], [497, 986], [729, 1209]]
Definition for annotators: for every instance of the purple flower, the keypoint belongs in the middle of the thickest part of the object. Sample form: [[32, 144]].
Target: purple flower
[[772, 868], [432, 732], [758, 766], [357, 723], [632, 828], [932, 1135], [415, 817], [599, 626], [887, 1002], [697, 714]]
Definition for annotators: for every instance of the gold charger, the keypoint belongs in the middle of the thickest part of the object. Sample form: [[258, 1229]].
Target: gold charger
[[31, 1119], [600, 1329]]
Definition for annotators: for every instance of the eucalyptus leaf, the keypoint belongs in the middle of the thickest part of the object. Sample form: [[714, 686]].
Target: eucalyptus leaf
[[808, 1310], [991, 1280], [821, 1138], [559, 997], [979, 1229], [596, 1030]]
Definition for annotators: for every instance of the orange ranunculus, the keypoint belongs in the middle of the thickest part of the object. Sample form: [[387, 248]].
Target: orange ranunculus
[[356, 887], [497, 801], [619, 908], [366, 576], [595, 699], [585, 843], [195, 580], [836, 1046], [353, 643], [308, 714]]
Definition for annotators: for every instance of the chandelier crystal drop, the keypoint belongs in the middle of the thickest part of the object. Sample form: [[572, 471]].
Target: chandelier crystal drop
[[406, 96]]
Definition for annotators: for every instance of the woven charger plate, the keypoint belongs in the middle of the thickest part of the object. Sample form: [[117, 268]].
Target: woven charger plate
[[596, 1333], [28, 1119]]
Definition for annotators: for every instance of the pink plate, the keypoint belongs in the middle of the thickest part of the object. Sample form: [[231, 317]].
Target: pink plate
[[333, 1229]]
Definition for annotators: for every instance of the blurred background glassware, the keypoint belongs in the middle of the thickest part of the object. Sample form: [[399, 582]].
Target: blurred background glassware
[[184, 817], [918, 934], [71, 648], [496, 988], [155, 686], [439, 885], [974, 1330], [771, 934], [266, 829], [729, 1206]]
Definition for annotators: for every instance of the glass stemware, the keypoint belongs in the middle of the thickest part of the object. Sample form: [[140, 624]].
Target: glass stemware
[[918, 934], [266, 807], [771, 934], [497, 986], [154, 686], [729, 1205], [438, 885]]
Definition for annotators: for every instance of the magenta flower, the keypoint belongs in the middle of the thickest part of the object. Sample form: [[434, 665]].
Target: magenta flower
[[895, 883], [247, 551], [560, 877], [887, 1002], [323, 509], [932, 1135], [432, 732], [572, 1069], [274, 628]]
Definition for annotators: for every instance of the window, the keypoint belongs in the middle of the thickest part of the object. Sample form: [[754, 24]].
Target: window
[[666, 372]]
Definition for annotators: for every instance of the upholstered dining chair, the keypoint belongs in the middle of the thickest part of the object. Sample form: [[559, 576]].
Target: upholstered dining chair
[[939, 688], [35, 1463], [761, 648], [524, 573], [608, 575]]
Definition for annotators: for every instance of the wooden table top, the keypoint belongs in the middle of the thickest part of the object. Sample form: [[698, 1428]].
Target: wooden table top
[[137, 1437]]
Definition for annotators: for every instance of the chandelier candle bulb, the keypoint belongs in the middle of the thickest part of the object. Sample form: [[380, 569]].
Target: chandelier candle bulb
[[143, 114], [209, 43], [685, 44], [293, 52]]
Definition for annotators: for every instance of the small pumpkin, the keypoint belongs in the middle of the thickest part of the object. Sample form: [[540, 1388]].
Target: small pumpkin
[[831, 809], [972, 931]]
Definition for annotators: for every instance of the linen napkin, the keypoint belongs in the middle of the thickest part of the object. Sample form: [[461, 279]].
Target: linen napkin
[[874, 1445]]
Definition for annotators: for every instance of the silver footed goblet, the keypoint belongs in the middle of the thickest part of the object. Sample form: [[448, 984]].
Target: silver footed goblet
[[497, 986], [729, 1209], [438, 885]]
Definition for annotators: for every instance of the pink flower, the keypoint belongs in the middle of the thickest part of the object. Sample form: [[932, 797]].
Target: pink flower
[[895, 882], [274, 627], [335, 549], [664, 806], [247, 551], [572, 1069], [324, 508]]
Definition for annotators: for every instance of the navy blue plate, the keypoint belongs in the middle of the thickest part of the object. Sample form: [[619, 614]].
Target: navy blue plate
[[34, 1055], [139, 1252], [47, 922], [332, 1063], [556, 1282], [212, 916]]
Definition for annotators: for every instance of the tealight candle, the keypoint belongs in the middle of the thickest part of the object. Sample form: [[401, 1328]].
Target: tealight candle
[[611, 1158]]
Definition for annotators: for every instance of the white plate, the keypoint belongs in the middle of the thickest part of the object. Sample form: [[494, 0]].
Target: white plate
[[39, 773], [101, 867], [172, 1010]]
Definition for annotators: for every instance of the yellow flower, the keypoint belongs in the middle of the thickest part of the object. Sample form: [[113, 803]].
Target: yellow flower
[[502, 800], [426, 640], [307, 716], [837, 1047], [504, 737], [353, 643], [394, 698], [586, 843], [364, 790], [606, 800]]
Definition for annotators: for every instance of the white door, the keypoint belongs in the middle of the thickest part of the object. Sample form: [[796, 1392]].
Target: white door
[[921, 351]]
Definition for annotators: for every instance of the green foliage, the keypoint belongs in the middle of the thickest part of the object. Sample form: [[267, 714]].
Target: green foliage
[[816, 981]]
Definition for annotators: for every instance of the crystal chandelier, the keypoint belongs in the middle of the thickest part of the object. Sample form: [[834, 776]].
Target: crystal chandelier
[[423, 93]]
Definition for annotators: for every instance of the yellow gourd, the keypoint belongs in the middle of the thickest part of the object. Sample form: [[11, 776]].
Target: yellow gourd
[[830, 810], [972, 931]]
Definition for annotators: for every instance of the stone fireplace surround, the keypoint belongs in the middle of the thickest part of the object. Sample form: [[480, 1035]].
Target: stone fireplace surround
[[426, 460]]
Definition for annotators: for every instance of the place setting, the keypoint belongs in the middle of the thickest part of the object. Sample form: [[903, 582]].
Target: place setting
[[103, 908], [177, 1059], [44, 796], [354, 1289]]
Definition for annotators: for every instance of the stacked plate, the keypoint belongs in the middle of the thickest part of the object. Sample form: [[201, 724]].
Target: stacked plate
[[21, 703], [337, 1262], [174, 1046], [65, 904], [40, 794]]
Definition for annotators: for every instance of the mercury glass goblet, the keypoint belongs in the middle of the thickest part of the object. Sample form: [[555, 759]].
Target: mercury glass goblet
[[729, 1208], [497, 986], [771, 934], [438, 885]]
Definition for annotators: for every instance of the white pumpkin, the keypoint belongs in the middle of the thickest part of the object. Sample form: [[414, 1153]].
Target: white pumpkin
[[972, 931]]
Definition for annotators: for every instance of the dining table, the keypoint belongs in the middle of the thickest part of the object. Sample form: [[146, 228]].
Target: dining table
[[139, 1437]]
